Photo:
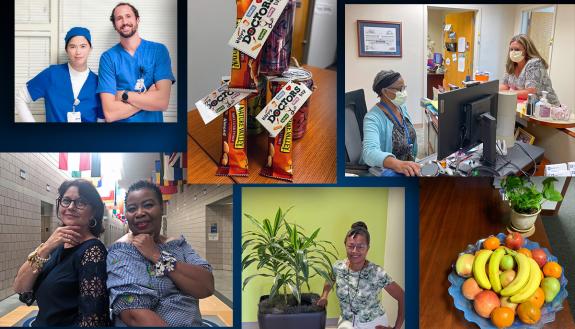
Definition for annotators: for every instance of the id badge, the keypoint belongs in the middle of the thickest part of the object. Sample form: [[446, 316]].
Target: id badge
[[139, 85], [74, 116]]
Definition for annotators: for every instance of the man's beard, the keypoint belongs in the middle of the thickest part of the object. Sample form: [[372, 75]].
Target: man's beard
[[129, 34]]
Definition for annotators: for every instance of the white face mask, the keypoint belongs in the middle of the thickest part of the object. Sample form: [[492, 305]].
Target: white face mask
[[516, 56], [400, 98]]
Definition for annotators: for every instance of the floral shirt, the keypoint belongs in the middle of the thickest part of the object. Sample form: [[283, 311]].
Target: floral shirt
[[133, 284], [533, 75], [359, 292]]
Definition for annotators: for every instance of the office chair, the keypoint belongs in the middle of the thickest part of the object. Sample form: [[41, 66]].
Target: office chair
[[355, 110]]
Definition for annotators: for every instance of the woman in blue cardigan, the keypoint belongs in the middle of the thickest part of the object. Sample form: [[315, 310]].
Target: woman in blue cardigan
[[389, 139]]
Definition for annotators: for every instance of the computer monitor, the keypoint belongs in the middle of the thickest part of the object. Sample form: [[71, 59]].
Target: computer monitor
[[467, 117]]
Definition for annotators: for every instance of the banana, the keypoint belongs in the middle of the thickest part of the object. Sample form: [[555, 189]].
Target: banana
[[529, 289], [493, 268], [479, 273], [523, 270]]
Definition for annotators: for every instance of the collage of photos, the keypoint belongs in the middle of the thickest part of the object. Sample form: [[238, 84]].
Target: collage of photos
[[287, 164]]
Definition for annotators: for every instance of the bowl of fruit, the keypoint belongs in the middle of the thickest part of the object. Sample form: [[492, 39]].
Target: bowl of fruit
[[507, 282]]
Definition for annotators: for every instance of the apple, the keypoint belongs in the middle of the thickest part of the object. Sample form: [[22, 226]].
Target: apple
[[507, 263], [485, 302], [551, 287], [470, 288], [506, 303], [539, 256], [507, 277], [514, 241], [464, 265]]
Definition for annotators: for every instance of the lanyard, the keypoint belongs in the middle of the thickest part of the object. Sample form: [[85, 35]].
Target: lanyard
[[350, 301], [405, 130]]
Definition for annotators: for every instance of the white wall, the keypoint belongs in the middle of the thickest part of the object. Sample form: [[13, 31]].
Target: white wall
[[323, 34], [210, 26], [435, 20], [395, 247], [360, 71], [562, 71]]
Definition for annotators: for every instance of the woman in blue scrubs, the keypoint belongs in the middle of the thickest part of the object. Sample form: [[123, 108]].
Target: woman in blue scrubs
[[69, 90]]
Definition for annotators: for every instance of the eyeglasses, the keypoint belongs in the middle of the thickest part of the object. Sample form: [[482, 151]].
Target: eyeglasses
[[359, 247], [79, 203], [402, 89]]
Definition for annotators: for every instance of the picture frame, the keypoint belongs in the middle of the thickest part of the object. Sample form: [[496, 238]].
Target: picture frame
[[523, 136], [379, 39]]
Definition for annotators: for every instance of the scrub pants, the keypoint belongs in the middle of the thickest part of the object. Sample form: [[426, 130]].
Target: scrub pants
[[381, 321]]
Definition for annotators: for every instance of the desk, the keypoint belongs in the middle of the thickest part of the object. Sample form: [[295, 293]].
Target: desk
[[452, 214], [314, 155]]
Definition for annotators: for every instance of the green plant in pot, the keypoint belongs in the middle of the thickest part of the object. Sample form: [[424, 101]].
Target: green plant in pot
[[525, 200], [284, 254]]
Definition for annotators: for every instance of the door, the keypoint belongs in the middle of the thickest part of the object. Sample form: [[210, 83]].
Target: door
[[540, 30], [299, 37], [462, 26], [46, 210]]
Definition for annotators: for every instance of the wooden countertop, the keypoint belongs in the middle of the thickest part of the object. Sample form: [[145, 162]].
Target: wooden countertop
[[314, 155], [455, 213]]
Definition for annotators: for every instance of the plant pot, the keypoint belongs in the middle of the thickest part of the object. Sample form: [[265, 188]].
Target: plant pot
[[523, 222], [310, 317]]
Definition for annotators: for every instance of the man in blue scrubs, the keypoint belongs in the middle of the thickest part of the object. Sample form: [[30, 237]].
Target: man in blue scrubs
[[135, 76]]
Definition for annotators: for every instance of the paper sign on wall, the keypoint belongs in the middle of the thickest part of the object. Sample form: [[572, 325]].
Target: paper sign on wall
[[461, 63]]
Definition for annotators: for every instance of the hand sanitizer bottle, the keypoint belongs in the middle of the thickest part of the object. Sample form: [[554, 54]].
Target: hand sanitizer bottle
[[543, 108]]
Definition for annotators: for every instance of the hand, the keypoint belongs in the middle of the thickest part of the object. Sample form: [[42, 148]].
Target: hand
[[322, 302], [408, 168], [61, 235], [147, 247], [153, 87]]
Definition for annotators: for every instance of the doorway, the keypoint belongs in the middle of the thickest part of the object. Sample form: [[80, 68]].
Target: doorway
[[46, 213], [450, 47], [538, 24]]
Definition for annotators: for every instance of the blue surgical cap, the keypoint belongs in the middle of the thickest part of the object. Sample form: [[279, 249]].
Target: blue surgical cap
[[78, 31]]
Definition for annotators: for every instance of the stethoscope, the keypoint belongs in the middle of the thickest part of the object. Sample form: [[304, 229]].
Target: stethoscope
[[405, 129]]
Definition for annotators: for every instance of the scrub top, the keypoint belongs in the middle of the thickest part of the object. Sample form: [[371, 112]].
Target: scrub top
[[120, 71], [55, 86]]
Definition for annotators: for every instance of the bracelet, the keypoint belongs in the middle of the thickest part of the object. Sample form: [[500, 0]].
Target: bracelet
[[165, 265], [36, 261]]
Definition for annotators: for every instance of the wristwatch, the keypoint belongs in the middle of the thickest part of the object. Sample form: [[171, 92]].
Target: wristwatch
[[166, 264], [125, 96]]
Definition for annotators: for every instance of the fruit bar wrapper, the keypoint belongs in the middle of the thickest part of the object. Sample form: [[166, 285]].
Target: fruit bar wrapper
[[245, 70], [275, 57], [280, 110], [217, 102], [234, 160], [279, 161], [256, 25]]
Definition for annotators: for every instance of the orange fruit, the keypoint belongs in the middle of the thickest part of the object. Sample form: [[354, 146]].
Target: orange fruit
[[528, 313], [552, 269], [491, 243], [502, 317], [538, 298], [525, 252]]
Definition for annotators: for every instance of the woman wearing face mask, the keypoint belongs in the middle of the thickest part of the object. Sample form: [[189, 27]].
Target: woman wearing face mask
[[389, 139], [358, 286], [154, 280], [526, 70], [69, 89]]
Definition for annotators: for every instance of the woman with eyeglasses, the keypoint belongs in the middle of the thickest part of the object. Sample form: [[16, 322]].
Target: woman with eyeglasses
[[66, 274], [526, 70], [358, 286], [389, 139]]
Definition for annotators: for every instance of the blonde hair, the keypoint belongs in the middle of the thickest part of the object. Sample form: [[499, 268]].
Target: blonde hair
[[530, 52]]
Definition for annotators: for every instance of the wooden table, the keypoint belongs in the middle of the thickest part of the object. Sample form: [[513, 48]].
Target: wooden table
[[454, 213], [314, 155]]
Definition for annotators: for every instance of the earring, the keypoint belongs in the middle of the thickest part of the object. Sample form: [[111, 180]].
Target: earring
[[93, 223]]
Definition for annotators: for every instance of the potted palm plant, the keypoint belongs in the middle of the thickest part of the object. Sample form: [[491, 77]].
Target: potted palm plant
[[283, 253], [525, 200]]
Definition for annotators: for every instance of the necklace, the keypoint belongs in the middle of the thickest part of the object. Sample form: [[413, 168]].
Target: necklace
[[354, 311]]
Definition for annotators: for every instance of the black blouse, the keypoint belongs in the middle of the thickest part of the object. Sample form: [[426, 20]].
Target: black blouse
[[71, 289]]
